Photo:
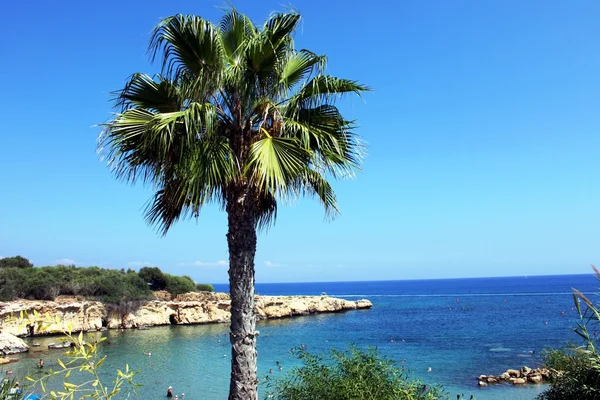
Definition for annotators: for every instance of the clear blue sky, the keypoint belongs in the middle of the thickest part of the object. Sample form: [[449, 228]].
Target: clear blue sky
[[482, 130]]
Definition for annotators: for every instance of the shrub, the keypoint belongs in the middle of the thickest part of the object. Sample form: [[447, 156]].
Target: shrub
[[117, 286], [179, 284], [579, 376], [15, 262], [204, 287], [154, 277], [576, 368], [348, 375]]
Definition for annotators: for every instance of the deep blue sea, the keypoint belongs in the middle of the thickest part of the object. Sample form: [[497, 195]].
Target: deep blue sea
[[461, 328]]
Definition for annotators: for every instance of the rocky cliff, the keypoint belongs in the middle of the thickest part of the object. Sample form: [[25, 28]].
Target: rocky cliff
[[191, 308]]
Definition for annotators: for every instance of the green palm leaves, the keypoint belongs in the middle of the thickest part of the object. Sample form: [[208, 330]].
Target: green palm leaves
[[234, 105]]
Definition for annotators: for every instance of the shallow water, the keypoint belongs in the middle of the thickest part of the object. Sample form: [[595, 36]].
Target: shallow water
[[459, 328]]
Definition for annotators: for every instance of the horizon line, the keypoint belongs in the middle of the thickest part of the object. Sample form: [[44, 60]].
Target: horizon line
[[418, 279]]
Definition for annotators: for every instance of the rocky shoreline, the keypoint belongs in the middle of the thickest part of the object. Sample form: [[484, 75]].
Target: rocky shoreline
[[16, 317], [517, 376]]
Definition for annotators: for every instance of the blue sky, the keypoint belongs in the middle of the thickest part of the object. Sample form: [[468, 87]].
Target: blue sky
[[482, 132]]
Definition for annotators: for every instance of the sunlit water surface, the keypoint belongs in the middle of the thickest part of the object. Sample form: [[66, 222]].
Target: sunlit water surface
[[460, 328]]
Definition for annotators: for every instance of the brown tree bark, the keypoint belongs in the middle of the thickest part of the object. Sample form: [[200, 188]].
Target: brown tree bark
[[241, 240]]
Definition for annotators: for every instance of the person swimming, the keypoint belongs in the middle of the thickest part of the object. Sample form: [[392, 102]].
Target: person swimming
[[170, 391]]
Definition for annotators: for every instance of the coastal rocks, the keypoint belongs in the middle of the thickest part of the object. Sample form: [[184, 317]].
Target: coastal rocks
[[289, 306], [10, 344], [535, 378], [189, 308], [517, 376], [62, 345], [162, 295], [58, 315]]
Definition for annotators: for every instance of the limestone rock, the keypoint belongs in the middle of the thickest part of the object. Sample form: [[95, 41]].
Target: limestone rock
[[482, 383], [518, 381], [513, 373], [10, 344], [535, 378], [188, 308], [162, 295]]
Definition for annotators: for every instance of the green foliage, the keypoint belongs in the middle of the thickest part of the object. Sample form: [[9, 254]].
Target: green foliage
[[179, 284], [204, 287], [579, 376], [81, 372], [46, 283], [15, 262], [154, 277], [577, 368], [222, 85], [7, 390], [353, 374]]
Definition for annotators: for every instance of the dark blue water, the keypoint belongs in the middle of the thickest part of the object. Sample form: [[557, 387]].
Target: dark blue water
[[461, 328]]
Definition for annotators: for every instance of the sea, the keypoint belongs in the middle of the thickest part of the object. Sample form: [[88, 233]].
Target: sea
[[460, 328]]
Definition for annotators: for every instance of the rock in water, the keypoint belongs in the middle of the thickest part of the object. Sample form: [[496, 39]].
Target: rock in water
[[535, 378], [10, 344]]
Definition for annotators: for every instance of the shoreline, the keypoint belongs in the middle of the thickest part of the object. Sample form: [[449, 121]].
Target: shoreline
[[186, 309]]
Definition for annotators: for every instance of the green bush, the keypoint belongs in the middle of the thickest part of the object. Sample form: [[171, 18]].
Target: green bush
[[115, 286], [154, 277], [579, 376], [204, 287], [179, 284], [15, 262], [576, 368], [353, 374]]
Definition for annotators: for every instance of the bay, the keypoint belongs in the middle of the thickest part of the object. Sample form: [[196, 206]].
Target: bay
[[461, 328]]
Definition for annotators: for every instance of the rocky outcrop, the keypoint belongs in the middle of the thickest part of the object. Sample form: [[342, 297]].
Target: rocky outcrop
[[17, 317], [10, 344], [517, 376]]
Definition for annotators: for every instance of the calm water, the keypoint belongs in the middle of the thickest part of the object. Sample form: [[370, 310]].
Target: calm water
[[460, 328]]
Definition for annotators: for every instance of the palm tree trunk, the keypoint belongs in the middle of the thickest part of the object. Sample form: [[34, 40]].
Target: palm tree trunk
[[241, 239]]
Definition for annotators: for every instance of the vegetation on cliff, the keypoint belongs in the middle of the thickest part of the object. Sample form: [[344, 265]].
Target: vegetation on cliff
[[46, 283]]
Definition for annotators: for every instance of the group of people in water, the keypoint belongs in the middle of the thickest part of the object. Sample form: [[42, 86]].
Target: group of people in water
[[170, 393]]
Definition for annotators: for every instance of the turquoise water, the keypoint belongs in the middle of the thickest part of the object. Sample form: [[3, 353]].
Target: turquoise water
[[459, 328]]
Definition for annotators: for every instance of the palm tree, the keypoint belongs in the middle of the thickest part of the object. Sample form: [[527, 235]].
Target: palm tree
[[240, 118]]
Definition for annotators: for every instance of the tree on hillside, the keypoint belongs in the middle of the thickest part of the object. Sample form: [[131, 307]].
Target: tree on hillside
[[15, 262], [240, 118], [154, 277]]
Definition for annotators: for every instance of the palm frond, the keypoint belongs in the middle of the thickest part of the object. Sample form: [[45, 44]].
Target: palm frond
[[275, 162], [281, 25], [235, 30], [265, 210], [188, 44], [298, 66], [323, 89], [143, 91], [312, 181], [336, 148], [125, 146], [197, 179]]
